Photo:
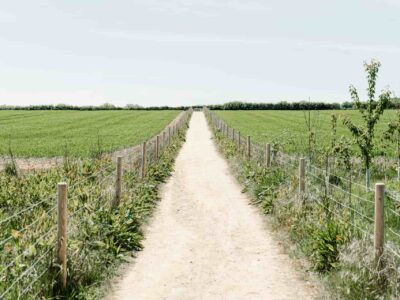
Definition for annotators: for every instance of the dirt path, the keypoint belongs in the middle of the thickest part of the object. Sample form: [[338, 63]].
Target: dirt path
[[205, 241]]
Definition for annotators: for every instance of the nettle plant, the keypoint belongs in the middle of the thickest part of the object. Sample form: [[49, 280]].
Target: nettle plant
[[371, 111]]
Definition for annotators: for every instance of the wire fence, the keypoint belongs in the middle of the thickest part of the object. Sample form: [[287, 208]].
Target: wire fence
[[338, 195], [29, 235]]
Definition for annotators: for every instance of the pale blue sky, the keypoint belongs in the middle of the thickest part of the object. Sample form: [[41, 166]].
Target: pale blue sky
[[184, 52]]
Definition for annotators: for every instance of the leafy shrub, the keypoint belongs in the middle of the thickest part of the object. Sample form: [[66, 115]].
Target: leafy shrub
[[327, 239]]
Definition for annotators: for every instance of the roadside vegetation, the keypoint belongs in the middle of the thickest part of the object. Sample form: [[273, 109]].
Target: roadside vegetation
[[100, 236], [331, 223]]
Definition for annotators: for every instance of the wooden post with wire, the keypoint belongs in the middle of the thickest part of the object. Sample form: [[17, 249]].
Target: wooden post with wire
[[118, 182], [302, 175], [163, 140], [379, 219], [157, 146], [169, 134], [268, 155], [143, 169], [62, 215], [248, 147], [239, 141], [233, 135]]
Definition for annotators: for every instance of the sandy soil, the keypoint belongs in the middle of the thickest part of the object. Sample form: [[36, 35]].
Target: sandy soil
[[205, 241]]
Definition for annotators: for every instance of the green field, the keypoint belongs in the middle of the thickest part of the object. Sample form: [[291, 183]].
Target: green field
[[78, 133], [289, 127]]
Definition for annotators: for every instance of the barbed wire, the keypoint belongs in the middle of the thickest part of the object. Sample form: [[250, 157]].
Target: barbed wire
[[38, 240], [33, 282], [324, 181], [24, 273], [25, 210], [26, 227]]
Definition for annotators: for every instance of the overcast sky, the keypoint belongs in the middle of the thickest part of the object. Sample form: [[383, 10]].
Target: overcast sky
[[183, 52]]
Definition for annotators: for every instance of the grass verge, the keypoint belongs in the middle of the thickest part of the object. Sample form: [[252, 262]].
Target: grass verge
[[321, 231], [99, 237]]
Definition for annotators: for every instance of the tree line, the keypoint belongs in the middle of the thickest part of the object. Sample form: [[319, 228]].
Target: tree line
[[302, 105], [106, 106], [394, 103]]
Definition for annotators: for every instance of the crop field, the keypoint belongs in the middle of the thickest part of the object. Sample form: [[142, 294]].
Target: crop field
[[289, 127], [76, 133]]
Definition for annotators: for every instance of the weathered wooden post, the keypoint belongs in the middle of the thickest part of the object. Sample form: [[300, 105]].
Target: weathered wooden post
[[163, 142], [268, 155], [248, 147], [143, 169], [62, 215], [302, 175], [157, 146], [239, 141], [118, 182], [233, 135], [379, 219], [169, 134]]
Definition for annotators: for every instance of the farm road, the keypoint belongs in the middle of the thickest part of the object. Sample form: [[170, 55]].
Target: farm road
[[205, 241]]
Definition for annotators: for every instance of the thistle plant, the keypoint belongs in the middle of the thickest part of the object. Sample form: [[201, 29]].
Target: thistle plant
[[370, 111]]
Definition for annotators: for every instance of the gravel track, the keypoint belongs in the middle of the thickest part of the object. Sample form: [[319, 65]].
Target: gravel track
[[205, 241]]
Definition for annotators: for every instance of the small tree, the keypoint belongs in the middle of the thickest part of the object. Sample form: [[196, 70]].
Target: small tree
[[343, 152], [370, 112], [392, 134]]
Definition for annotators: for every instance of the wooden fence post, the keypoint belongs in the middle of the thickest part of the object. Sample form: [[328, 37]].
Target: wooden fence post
[[143, 169], [169, 134], [379, 219], [248, 147], [302, 173], [233, 135], [62, 232], [157, 146], [118, 182], [239, 141], [268, 155], [163, 141]]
